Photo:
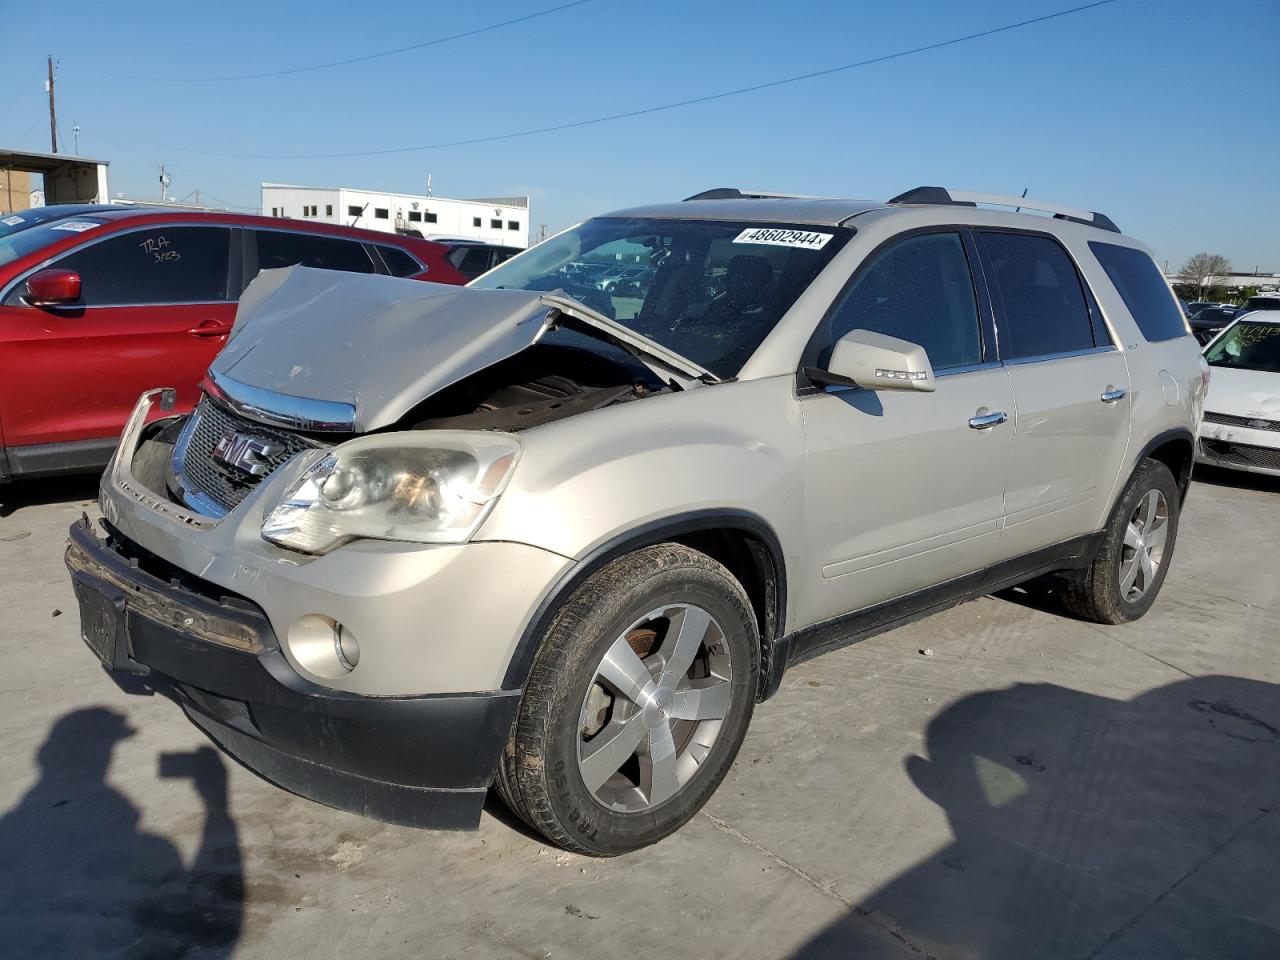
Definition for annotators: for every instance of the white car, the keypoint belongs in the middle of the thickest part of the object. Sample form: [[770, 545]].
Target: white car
[[1241, 426]]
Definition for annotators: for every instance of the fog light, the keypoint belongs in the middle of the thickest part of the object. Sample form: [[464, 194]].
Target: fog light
[[345, 646], [323, 647]]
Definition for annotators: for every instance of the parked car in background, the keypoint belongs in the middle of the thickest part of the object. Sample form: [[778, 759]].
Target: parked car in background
[[508, 534], [97, 303], [1208, 322], [1196, 306], [1264, 301], [1241, 425], [471, 258]]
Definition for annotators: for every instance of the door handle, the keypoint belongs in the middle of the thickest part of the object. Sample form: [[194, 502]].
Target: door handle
[[210, 328], [1112, 394], [986, 421]]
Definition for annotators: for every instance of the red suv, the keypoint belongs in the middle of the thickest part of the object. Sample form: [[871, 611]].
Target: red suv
[[99, 303]]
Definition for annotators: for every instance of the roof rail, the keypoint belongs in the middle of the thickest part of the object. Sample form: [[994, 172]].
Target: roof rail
[[733, 193], [970, 198]]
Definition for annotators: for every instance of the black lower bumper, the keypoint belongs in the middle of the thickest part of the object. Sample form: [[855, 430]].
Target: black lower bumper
[[418, 761]]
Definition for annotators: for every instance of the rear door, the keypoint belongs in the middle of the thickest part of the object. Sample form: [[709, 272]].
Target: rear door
[[904, 489], [154, 311], [269, 249], [1070, 387]]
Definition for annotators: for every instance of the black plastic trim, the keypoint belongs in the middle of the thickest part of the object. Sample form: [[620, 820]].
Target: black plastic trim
[[657, 531], [1159, 440], [46, 459], [820, 638], [932, 195]]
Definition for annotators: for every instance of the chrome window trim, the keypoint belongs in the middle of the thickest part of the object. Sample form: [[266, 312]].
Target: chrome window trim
[[1064, 355], [281, 409], [22, 278], [967, 368]]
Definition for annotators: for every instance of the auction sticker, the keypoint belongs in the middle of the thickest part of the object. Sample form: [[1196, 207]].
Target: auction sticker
[[11, 221], [76, 226], [774, 237]]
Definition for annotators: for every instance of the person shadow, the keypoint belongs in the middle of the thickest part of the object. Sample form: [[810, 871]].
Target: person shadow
[[1086, 826], [79, 878]]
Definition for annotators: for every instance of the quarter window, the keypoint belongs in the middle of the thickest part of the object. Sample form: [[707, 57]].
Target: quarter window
[[398, 262], [1045, 312], [159, 265], [919, 290], [1138, 281], [276, 248]]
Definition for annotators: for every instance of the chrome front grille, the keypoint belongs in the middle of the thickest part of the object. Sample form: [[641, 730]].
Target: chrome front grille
[[1251, 423], [210, 484]]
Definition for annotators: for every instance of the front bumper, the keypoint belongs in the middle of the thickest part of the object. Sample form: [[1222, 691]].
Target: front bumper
[[1239, 448], [423, 761]]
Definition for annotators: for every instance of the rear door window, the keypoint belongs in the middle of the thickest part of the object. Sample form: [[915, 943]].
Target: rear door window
[[919, 290], [1138, 281], [1045, 311], [399, 263], [279, 248], [158, 265]]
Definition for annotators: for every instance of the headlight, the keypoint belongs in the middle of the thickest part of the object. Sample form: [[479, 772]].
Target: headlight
[[436, 486]]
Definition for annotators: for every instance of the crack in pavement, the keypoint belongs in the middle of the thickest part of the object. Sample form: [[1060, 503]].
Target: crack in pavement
[[1133, 921], [826, 888]]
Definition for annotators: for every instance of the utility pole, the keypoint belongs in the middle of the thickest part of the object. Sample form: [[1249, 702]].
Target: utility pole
[[75, 132], [164, 185], [53, 113]]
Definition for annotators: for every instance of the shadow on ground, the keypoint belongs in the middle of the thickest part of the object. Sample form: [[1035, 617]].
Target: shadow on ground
[[29, 493], [1238, 479], [1091, 827], [79, 878]]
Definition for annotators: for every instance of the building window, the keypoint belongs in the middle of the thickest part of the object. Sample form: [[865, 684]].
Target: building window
[[495, 224], [328, 209], [354, 211], [275, 211], [475, 221], [431, 217], [381, 213], [513, 224], [415, 216]]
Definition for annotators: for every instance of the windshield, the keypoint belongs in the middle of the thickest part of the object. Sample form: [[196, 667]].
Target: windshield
[[708, 290], [29, 234], [1248, 346]]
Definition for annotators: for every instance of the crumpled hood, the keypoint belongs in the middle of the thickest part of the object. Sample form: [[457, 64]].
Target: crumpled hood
[[380, 344], [1244, 393]]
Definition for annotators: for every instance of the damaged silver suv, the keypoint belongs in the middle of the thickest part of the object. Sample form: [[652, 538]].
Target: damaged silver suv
[[561, 534]]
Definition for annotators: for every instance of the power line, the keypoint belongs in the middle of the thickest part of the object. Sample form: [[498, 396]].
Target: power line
[[660, 107], [361, 59]]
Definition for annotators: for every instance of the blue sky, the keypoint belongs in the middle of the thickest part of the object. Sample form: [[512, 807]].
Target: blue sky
[[1161, 114]]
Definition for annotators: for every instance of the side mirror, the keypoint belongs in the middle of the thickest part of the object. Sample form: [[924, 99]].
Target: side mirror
[[876, 361], [49, 288]]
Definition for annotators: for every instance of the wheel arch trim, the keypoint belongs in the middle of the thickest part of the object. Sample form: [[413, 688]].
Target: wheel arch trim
[[636, 538]]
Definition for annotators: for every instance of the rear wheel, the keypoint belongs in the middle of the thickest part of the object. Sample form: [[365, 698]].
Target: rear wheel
[[1126, 575], [636, 705]]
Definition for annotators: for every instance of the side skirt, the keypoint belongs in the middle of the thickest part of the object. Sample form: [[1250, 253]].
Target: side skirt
[[820, 638], [45, 459]]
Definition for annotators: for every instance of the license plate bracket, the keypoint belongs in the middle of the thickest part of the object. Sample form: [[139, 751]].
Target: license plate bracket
[[102, 619]]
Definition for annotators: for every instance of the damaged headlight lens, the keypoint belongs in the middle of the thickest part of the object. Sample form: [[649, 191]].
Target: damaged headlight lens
[[436, 486]]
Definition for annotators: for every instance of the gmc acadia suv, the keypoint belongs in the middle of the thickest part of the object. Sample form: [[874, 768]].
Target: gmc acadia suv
[[415, 539]]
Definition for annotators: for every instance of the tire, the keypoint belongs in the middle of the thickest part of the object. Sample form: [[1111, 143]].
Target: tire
[[1102, 594], [606, 638]]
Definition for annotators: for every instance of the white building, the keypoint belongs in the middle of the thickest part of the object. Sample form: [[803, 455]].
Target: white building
[[500, 220]]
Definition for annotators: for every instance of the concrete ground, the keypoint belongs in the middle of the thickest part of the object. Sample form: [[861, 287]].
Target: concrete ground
[[1036, 787]]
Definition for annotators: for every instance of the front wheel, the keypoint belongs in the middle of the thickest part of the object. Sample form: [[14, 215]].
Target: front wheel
[[1126, 575], [636, 705]]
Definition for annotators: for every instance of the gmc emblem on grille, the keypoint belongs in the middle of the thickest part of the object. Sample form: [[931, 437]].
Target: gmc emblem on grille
[[251, 455]]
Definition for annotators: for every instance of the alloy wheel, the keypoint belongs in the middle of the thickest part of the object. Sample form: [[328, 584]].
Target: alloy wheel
[[654, 708], [1144, 541]]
